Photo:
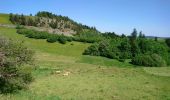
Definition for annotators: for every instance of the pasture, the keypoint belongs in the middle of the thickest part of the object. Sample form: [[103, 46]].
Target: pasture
[[89, 78]]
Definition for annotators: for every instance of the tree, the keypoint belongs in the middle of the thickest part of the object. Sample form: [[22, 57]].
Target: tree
[[123, 36], [134, 34], [30, 21], [125, 49], [149, 60], [133, 43], [92, 50], [62, 39], [11, 18], [143, 36], [53, 24], [104, 48], [13, 74], [156, 38], [167, 41], [143, 45], [23, 20], [140, 34]]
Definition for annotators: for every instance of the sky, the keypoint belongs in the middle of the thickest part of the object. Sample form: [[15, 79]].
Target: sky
[[152, 17]]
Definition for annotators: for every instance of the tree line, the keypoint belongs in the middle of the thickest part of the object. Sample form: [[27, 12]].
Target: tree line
[[86, 36], [141, 51]]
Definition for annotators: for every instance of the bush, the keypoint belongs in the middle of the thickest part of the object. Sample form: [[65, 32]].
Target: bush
[[33, 34], [44, 35], [159, 61], [92, 50], [122, 60], [19, 27], [52, 38], [13, 56], [168, 61], [167, 41], [88, 36], [104, 48], [62, 39], [125, 49], [69, 39], [114, 54], [150, 60]]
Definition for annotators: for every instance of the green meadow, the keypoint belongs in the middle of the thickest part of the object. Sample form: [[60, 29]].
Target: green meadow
[[4, 19], [90, 78]]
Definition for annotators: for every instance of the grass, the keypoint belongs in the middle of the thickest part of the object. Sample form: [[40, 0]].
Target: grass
[[72, 49], [95, 78], [90, 78], [102, 61], [4, 19], [162, 71]]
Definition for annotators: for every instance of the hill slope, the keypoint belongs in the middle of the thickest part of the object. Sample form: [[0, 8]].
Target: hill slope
[[90, 77], [4, 19], [52, 23]]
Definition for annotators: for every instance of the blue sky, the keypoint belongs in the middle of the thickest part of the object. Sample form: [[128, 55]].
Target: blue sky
[[120, 16]]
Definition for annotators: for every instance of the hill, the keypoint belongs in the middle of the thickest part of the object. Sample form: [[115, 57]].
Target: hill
[[90, 77], [4, 19], [46, 21]]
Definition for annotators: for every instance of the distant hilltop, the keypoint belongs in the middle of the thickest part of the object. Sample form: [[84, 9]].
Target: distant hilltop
[[46, 21], [151, 37]]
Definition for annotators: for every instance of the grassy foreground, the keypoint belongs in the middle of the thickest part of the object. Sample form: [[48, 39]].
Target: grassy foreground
[[90, 78]]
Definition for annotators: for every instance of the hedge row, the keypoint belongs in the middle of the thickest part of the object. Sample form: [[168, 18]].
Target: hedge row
[[54, 37], [44, 35]]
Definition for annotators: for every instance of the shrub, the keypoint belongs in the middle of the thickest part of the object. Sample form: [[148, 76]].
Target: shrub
[[69, 39], [13, 56], [168, 61], [44, 35], [122, 60], [125, 49], [92, 50], [158, 60], [167, 41], [52, 38], [113, 53], [33, 34], [104, 48], [150, 60], [88, 36], [19, 27], [62, 39]]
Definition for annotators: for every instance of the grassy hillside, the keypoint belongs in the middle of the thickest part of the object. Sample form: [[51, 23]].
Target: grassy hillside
[[90, 77], [94, 78], [4, 19]]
